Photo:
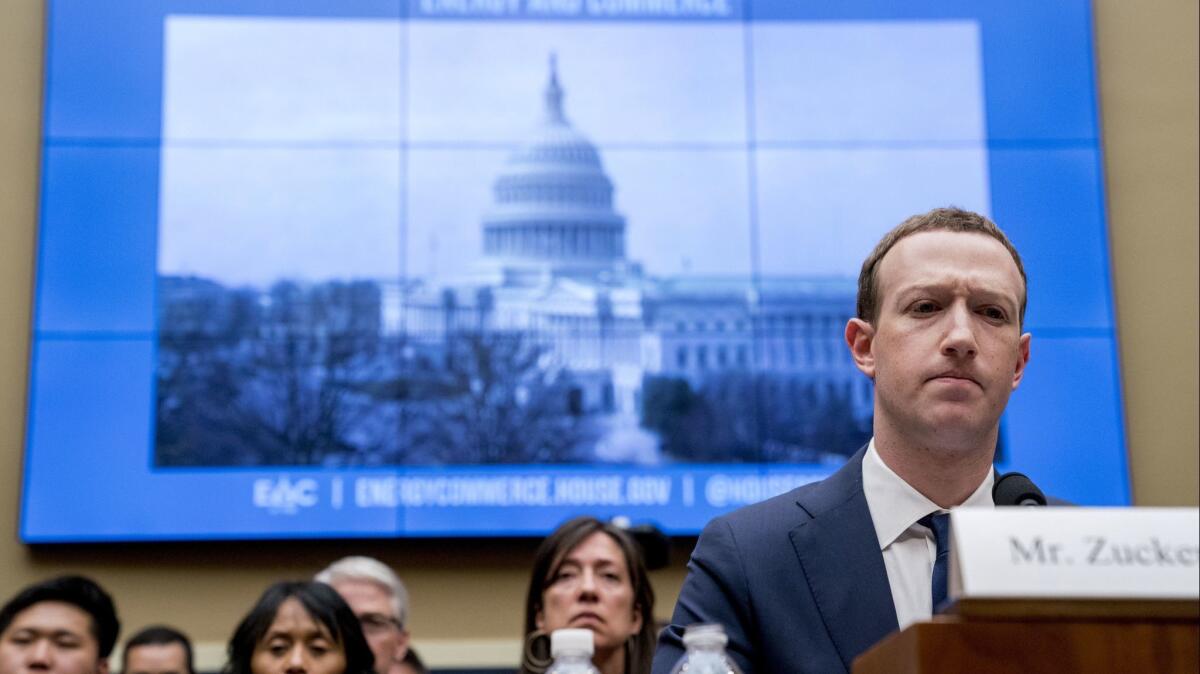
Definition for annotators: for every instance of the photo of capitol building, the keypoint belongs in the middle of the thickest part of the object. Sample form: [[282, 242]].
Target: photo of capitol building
[[554, 269], [554, 347]]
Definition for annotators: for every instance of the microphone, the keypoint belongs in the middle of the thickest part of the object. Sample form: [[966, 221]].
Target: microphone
[[1015, 489]]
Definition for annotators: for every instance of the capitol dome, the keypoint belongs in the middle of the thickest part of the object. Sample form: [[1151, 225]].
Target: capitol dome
[[552, 206]]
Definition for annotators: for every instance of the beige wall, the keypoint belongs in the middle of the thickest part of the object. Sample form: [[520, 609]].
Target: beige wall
[[1147, 55]]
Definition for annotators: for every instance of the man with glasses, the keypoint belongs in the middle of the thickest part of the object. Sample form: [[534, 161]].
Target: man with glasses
[[379, 599]]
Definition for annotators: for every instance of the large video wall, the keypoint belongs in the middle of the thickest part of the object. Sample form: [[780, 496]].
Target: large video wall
[[470, 267]]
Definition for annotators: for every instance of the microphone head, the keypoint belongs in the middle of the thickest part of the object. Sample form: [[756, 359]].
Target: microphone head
[[1016, 489]]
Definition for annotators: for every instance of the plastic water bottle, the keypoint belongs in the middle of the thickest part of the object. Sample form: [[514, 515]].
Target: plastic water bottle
[[572, 652], [705, 652]]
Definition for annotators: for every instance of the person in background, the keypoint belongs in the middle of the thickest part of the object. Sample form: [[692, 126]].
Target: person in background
[[157, 649], [299, 627], [589, 574], [379, 599], [807, 581], [65, 625]]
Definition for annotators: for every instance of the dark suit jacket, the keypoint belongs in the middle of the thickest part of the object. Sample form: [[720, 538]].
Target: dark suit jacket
[[797, 581]]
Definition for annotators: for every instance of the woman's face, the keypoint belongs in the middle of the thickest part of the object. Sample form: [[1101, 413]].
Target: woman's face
[[591, 589], [297, 644]]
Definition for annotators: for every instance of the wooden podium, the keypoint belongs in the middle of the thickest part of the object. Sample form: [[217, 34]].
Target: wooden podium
[[1031, 637]]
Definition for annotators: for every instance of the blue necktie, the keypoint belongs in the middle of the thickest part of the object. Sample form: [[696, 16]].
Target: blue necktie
[[939, 524]]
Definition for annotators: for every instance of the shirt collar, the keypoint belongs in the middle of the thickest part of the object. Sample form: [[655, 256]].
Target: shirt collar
[[895, 505]]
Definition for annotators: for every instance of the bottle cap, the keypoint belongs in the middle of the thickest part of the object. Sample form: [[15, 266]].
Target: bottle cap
[[705, 634], [571, 641]]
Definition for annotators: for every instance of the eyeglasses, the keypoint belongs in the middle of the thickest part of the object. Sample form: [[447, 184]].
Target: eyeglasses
[[377, 622]]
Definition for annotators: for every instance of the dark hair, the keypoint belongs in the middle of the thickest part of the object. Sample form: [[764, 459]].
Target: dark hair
[[949, 219], [322, 603], [82, 593], [639, 650], [158, 635], [414, 661]]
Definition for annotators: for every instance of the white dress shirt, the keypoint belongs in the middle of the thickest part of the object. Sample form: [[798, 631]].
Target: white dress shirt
[[908, 548]]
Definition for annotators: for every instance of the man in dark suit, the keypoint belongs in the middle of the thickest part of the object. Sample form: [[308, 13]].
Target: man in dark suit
[[808, 580]]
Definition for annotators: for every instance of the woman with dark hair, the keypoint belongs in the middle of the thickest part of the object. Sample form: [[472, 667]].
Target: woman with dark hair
[[589, 574], [299, 627]]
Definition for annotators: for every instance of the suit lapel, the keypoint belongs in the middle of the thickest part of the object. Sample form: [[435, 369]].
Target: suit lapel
[[839, 552]]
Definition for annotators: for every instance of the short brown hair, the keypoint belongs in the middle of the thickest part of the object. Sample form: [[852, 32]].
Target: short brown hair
[[951, 219]]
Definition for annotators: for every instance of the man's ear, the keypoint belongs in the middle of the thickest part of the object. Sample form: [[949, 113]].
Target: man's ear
[[1022, 359], [401, 646], [860, 335], [102, 666]]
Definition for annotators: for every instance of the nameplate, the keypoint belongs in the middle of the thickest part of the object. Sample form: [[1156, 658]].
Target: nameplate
[[1067, 553]]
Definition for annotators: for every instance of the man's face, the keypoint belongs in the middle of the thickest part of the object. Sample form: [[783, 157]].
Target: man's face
[[946, 350], [156, 659], [51, 637], [372, 603]]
